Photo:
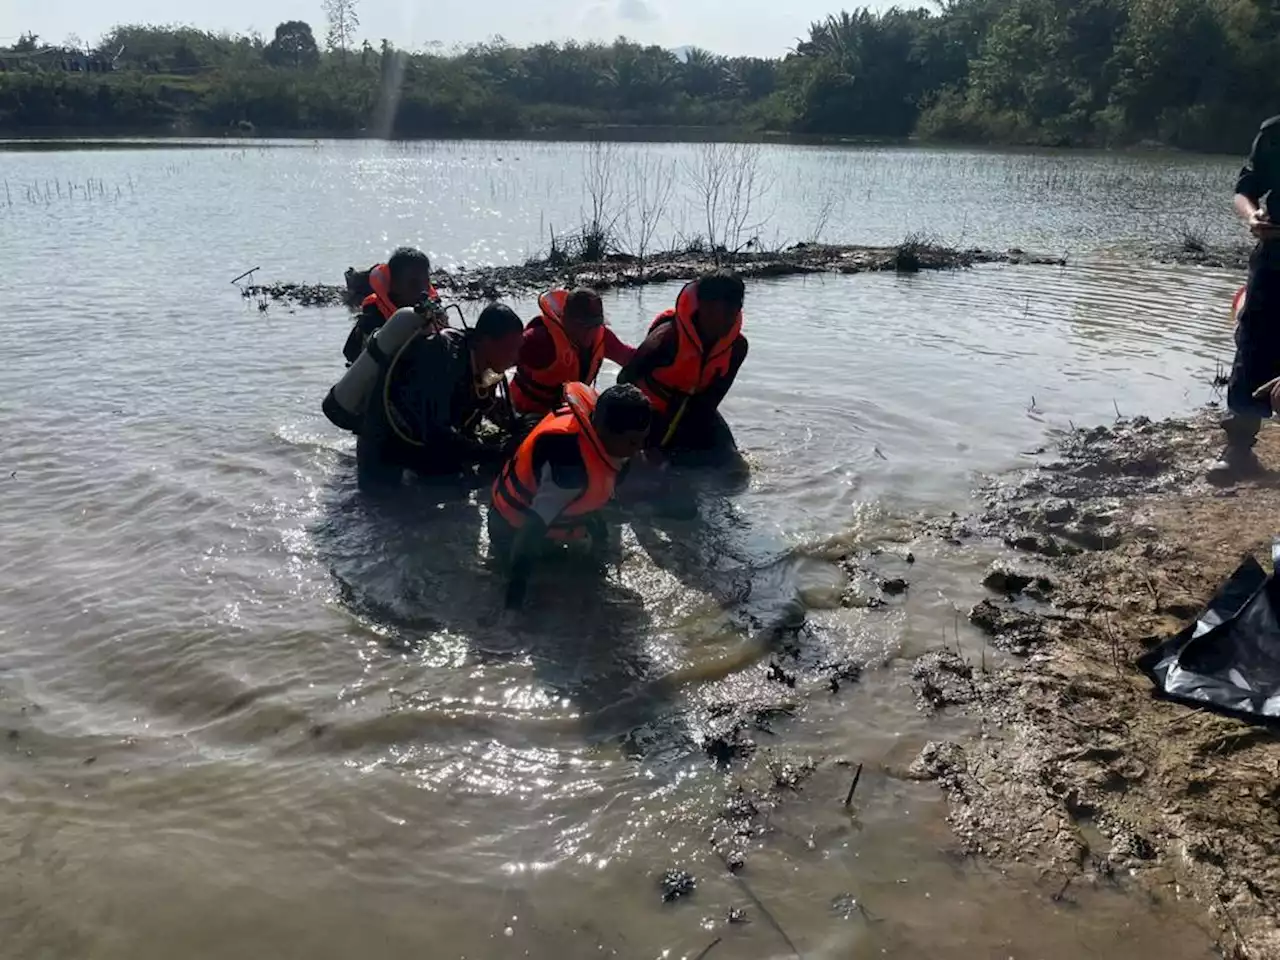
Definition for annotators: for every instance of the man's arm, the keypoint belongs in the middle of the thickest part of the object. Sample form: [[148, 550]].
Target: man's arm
[[709, 400], [651, 354], [1257, 179], [367, 322], [561, 480], [615, 350]]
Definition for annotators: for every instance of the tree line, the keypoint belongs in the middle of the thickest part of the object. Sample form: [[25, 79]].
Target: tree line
[[1198, 74]]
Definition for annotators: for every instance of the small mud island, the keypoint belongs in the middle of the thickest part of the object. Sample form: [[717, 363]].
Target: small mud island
[[1080, 770], [624, 270]]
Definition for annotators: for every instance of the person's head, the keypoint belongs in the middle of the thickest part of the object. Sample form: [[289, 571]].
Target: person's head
[[495, 339], [410, 275], [583, 315], [622, 420], [720, 296]]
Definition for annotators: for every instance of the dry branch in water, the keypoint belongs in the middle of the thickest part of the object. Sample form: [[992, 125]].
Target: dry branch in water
[[728, 181]]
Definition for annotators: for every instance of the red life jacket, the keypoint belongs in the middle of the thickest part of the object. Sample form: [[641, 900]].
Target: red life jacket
[[516, 486], [696, 365], [540, 391], [1237, 304], [380, 283]]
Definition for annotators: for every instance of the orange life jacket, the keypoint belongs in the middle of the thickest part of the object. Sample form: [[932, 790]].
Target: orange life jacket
[[516, 486], [540, 391], [696, 365], [380, 283]]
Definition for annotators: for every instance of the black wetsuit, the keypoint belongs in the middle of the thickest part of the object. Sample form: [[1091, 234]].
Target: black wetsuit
[[702, 438], [434, 403], [367, 323], [1257, 358]]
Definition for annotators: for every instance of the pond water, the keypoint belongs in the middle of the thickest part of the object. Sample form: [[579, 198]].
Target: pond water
[[250, 713]]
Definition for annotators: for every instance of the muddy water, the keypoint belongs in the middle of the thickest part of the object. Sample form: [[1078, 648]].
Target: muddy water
[[250, 713]]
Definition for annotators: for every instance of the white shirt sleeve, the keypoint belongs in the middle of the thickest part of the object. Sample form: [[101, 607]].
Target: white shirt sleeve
[[550, 500]]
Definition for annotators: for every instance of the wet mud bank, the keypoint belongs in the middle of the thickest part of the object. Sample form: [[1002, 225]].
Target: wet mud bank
[[492, 283], [1193, 252], [1116, 540]]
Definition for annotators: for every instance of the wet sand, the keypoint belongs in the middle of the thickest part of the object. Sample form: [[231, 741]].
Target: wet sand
[[1079, 770]]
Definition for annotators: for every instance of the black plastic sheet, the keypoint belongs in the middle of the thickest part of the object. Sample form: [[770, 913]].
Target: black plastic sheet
[[1229, 658]]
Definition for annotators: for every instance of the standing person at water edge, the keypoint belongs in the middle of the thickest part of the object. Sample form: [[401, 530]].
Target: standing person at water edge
[[426, 410], [403, 281], [1257, 358], [563, 474], [686, 365], [565, 343]]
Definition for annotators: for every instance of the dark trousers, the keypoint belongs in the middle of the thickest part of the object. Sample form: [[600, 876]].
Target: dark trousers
[[1257, 358], [382, 455], [502, 537], [701, 440]]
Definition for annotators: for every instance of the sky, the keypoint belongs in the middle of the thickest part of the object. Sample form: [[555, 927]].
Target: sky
[[728, 27]]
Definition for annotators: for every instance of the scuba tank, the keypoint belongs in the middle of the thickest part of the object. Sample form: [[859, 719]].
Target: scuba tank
[[348, 399]]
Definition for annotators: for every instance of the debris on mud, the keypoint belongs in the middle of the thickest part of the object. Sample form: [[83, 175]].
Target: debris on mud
[[728, 745], [1195, 252], [841, 673], [779, 675], [1012, 579], [728, 736], [1082, 771], [1008, 626], [738, 915], [941, 679], [790, 773], [677, 883], [492, 283]]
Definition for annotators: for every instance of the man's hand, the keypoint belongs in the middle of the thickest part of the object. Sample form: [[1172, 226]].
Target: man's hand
[[655, 459], [1269, 390], [1260, 225]]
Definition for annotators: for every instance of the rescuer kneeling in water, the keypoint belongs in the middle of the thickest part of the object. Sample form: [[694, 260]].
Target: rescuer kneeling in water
[[562, 476], [403, 281], [566, 343], [429, 404], [686, 365]]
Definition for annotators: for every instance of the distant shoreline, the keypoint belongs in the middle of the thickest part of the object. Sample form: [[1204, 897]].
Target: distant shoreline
[[64, 139]]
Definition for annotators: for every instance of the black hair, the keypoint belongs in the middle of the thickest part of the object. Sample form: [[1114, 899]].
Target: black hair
[[496, 321], [623, 409], [721, 286], [408, 258], [583, 303]]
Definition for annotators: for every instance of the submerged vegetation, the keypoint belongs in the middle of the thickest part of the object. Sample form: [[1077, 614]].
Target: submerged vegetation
[[1190, 73]]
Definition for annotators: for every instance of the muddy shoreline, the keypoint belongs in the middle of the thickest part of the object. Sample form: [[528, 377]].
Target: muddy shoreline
[[1078, 774], [1080, 771], [492, 283]]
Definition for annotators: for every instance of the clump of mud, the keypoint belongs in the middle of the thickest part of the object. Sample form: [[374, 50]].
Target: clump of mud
[[677, 883], [1082, 770], [494, 283], [1193, 251]]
